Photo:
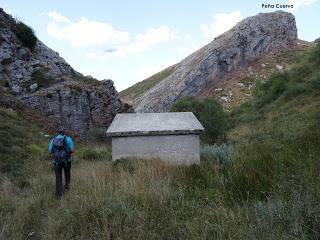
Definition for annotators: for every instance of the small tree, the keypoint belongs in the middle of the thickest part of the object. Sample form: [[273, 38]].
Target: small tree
[[209, 112], [213, 120], [187, 104]]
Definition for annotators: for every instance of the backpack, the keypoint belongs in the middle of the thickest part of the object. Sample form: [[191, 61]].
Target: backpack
[[59, 150]]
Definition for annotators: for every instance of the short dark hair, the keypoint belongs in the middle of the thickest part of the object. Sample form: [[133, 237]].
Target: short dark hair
[[61, 131]]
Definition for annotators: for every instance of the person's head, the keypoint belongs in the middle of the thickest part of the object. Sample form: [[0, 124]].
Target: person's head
[[62, 131]]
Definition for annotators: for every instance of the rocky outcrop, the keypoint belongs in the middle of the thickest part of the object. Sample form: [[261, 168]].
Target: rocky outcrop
[[63, 95], [18, 63], [77, 106], [247, 41]]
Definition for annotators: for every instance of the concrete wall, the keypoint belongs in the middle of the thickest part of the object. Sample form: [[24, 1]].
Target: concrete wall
[[177, 149]]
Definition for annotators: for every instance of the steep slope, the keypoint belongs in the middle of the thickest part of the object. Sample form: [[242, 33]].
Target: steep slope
[[43, 80], [19, 62], [140, 88], [236, 49], [238, 87]]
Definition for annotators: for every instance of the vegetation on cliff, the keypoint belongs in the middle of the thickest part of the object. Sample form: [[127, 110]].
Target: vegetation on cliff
[[26, 35]]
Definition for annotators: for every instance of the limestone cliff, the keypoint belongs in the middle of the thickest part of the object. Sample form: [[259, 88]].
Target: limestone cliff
[[40, 78], [77, 106], [244, 43]]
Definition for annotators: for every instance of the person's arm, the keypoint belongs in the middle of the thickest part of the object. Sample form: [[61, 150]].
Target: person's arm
[[70, 145], [50, 146]]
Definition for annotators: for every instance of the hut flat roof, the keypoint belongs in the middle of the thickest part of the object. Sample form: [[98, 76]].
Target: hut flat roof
[[138, 124]]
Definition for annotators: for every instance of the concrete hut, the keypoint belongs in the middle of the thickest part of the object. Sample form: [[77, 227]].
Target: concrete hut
[[173, 136]]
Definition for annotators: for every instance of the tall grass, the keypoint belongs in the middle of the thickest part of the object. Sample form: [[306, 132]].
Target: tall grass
[[150, 200]]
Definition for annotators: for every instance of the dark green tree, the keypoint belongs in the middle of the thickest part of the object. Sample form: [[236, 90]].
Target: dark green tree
[[209, 112], [187, 104], [213, 120]]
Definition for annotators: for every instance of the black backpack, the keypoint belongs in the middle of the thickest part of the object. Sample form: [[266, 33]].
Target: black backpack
[[59, 149]]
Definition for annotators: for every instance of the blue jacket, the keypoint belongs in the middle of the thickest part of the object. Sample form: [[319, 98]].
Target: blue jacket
[[69, 142]]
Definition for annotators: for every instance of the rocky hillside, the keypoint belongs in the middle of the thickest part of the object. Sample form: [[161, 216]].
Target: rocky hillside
[[225, 57], [43, 80], [238, 87]]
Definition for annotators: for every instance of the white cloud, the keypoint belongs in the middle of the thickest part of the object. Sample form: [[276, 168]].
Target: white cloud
[[298, 3], [57, 17], [141, 42], [221, 23], [187, 38], [84, 32]]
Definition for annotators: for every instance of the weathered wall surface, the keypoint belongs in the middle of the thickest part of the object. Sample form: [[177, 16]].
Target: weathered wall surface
[[247, 41], [176, 149]]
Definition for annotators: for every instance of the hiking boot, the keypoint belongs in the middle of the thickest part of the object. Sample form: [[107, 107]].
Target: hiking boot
[[58, 197]]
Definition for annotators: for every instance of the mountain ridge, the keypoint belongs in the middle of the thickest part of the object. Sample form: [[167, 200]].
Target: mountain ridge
[[248, 40]]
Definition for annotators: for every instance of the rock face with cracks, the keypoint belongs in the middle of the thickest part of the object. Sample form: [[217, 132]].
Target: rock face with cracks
[[78, 108], [248, 40]]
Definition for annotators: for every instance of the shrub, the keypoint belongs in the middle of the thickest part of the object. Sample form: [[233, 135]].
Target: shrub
[[294, 90], [265, 93], [4, 83], [26, 35], [278, 86], [97, 135], [306, 214], [12, 139], [300, 71], [315, 54], [42, 78], [187, 104], [221, 154], [209, 112], [315, 81], [191, 178], [213, 119], [36, 150], [274, 212], [95, 154]]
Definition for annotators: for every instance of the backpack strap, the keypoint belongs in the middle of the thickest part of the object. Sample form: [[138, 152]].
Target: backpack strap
[[65, 143]]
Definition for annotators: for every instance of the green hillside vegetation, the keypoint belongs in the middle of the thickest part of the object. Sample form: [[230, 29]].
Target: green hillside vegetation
[[139, 88], [262, 183]]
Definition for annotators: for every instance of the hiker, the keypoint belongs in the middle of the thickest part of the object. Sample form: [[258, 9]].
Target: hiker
[[61, 148]]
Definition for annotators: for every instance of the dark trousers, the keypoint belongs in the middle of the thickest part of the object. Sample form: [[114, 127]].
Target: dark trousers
[[66, 166]]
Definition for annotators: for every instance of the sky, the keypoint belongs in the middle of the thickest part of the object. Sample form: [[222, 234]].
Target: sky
[[128, 41]]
